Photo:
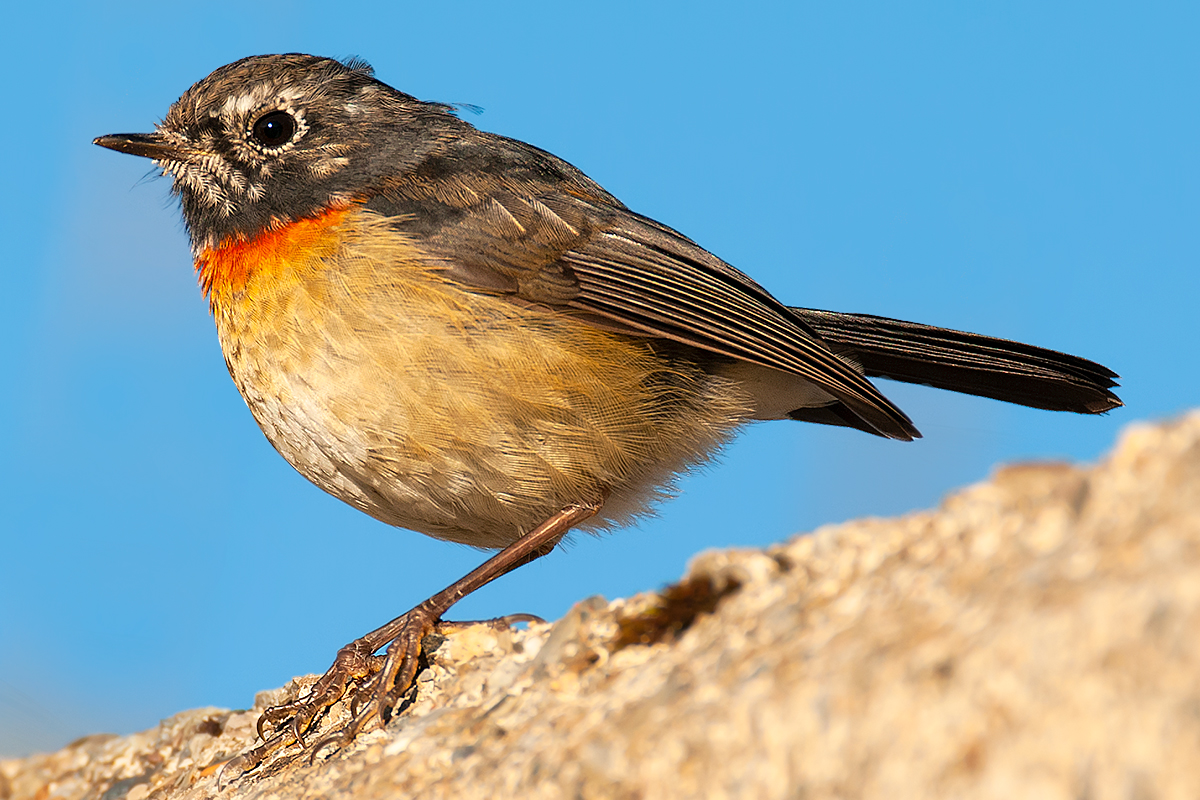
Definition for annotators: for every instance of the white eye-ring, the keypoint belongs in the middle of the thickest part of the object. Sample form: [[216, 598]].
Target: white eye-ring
[[276, 129]]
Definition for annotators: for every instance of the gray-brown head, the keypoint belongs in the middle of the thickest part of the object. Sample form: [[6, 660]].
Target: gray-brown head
[[271, 139]]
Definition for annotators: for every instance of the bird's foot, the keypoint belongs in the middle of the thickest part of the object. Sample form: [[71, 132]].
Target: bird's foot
[[383, 681], [377, 684], [279, 726]]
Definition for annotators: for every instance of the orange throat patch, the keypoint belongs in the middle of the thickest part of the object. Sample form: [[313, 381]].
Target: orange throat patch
[[225, 270]]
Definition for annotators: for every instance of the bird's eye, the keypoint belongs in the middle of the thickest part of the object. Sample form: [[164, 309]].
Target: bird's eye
[[274, 129]]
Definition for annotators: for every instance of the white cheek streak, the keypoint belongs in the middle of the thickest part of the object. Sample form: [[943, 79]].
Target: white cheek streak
[[198, 182], [215, 182]]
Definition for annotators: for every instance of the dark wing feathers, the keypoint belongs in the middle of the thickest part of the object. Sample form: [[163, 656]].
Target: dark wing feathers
[[674, 293]]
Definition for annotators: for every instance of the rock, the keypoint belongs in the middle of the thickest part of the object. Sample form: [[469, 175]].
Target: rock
[[1036, 636]]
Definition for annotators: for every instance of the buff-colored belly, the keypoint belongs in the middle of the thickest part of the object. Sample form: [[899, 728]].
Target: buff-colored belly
[[459, 415]]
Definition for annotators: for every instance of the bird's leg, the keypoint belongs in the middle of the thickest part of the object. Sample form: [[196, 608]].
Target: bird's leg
[[389, 676]]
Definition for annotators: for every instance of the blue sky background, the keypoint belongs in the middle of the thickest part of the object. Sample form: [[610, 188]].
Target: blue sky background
[[1028, 171]]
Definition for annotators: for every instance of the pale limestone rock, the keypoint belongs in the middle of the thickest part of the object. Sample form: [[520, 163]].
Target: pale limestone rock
[[1036, 636]]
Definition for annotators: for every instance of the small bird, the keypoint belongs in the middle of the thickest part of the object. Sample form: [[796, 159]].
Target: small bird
[[463, 335]]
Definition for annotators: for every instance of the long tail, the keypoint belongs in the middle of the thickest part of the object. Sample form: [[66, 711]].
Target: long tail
[[966, 362]]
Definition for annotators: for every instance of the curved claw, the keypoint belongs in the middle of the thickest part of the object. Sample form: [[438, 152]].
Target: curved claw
[[366, 692], [340, 738], [272, 715], [239, 763], [276, 714], [299, 725]]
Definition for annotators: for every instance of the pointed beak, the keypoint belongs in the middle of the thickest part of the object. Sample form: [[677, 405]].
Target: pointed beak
[[150, 145]]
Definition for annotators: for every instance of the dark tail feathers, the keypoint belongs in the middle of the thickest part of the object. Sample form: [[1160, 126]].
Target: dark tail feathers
[[966, 362]]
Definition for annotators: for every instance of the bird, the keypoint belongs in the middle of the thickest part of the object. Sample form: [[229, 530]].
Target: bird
[[461, 334]]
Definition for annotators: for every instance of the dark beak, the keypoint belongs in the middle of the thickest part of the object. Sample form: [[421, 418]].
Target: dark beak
[[150, 145]]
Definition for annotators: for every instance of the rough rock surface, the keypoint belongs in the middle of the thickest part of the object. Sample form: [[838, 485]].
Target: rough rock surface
[[1036, 636]]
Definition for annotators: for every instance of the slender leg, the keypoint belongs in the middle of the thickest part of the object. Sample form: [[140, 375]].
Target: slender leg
[[389, 676]]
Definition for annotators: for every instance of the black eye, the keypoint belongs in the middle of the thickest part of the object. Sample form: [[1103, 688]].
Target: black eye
[[274, 129]]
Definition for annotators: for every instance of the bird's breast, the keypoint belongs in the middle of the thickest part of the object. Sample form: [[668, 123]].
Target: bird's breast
[[451, 412]]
